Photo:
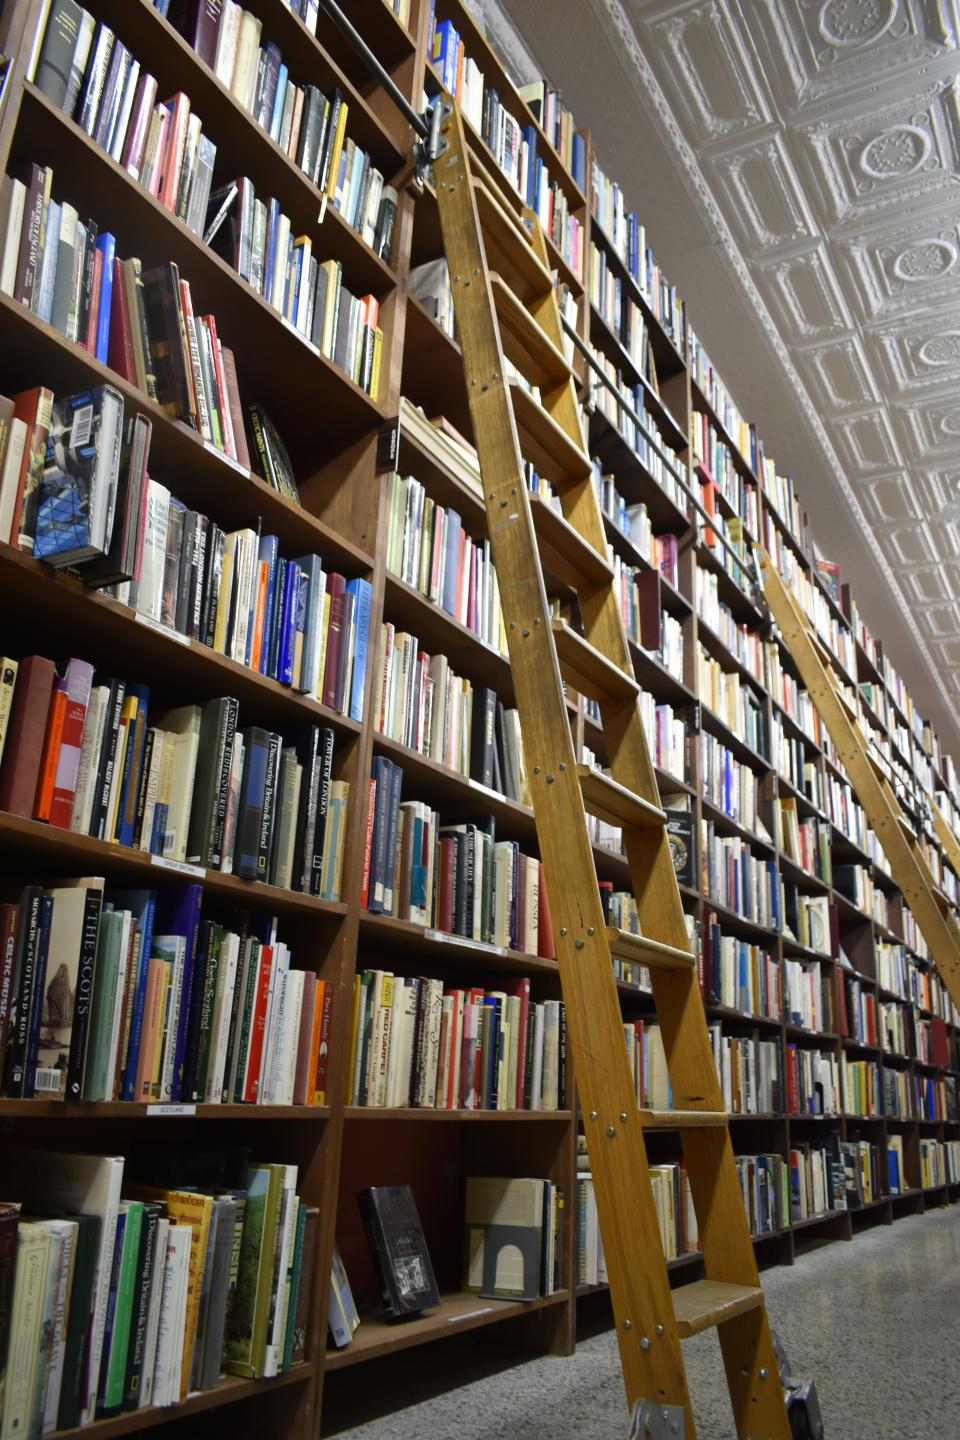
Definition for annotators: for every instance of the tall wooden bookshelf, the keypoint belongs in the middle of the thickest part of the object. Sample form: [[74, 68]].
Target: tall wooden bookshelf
[[335, 433]]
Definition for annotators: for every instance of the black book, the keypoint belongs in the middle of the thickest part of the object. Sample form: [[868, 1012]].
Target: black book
[[325, 770], [187, 542], [119, 562], [682, 851], [86, 289], [482, 738], [86, 961], [223, 227], [55, 64], [77, 1320], [198, 566], [217, 727], [213, 571], [149, 1273], [250, 810], [322, 177], [308, 754], [161, 298], [223, 789], [148, 744], [173, 559], [18, 1030], [399, 1250], [267, 826], [198, 993], [386, 220], [313, 131], [210, 1348]]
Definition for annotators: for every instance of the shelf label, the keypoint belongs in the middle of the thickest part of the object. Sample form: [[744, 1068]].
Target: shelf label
[[455, 1319], [227, 459], [165, 630], [180, 866], [173, 1109], [444, 938]]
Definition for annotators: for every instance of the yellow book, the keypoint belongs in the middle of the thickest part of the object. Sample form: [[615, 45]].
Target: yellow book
[[324, 636], [332, 271], [377, 363], [338, 139], [223, 602], [353, 1036], [193, 1211], [158, 1039], [128, 717]]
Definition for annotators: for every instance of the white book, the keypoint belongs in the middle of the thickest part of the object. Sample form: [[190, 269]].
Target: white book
[[228, 36], [150, 590], [400, 989], [233, 795], [536, 1089], [11, 238], [152, 786], [184, 724], [43, 290], [277, 1316], [380, 1058], [289, 1046], [61, 1274], [153, 1316], [376, 1035], [93, 729], [82, 1185], [118, 1002], [172, 1318], [275, 997], [174, 949], [123, 115], [34, 1245], [287, 836], [220, 1023], [10, 473]]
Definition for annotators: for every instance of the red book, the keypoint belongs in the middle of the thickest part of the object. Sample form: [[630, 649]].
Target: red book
[[9, 935], [51, 752], [223, 403], [323, 1054], [368, 845], [77, 685], [236, 413], [521, 988], [25, 735], [335, 588], [141, 115], [89, 341], [120, 355], [305, 1038], [258, 1024], [546, 946], [35, 409], [176, 139], [939, 1050]]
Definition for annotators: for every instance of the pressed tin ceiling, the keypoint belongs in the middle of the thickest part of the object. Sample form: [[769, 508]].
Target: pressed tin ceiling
[[795, 163]]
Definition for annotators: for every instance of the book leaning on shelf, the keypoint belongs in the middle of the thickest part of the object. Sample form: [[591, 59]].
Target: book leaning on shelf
[[133, 1294], [458, 879], [513, 1237], [417, 1045], [84, 752], [133, 995]]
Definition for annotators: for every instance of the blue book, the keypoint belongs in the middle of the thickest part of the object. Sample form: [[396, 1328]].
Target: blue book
[[273, 219], [276, 619], [393, 825], [446, 42], [299, 625], [380, 774], [418, 869], [37, 996], [362, 592], [142, 904], [312, 569], [578, 160], [529, 134], [250, 808], [178, 913], [268, 550], [451, 563], [276, 120], [107, 245], [288, 621], [132, 766]]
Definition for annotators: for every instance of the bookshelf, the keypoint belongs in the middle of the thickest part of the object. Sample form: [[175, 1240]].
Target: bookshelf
[[345, 446]]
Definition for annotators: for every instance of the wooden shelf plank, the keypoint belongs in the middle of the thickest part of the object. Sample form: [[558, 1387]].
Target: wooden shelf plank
[[134, 1110], [467, 1117]]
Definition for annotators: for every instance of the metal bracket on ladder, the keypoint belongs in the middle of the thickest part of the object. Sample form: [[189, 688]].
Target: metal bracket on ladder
[[657, 1422]]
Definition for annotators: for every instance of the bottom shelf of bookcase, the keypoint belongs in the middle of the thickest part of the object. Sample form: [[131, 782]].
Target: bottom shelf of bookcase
[[455, 1314], [227, 1392]]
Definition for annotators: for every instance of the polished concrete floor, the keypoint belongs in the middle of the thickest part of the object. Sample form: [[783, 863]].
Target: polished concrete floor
[[876, 1322]]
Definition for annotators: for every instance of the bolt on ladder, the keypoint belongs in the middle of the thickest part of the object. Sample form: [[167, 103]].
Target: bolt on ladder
[[506, 309], [868, 778]]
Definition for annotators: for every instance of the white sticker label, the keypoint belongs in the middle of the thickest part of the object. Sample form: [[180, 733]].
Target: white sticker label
[[446, 939], [181, 866], [166, 630], [455, 1319], [227, 459], [171, 1109]]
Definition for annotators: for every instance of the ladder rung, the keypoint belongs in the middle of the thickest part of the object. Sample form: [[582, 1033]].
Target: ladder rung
[[508, 247], [643, 951], [682, 1119], [564, 554], [544, 442], [530, 349], [587, 670], [705, 1303], [614, 803]]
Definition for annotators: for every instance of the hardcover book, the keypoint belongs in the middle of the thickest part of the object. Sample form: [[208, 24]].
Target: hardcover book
[[399, 1250]]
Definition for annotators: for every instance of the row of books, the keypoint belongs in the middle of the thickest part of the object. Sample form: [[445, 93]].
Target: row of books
[[82, 755], [136, 1293], [813, 1082], [424, 705], [429, 548], [515, 146], [750, 1071], [789, 694], [765, 1186], [717, 466], [290, 620], [805, 842], [744, 644], [897, 1028], [130, 995], [721, 402], [623, 230], [860, 1090], [733, 876], [524, 1214], [633, 521], [648, 1064], [739, 973], [732, 700], [858, 1012], [731, 786], [612, 298], [818, 1181], [935, 1099], [789, 757], [88, 73], [625, 405], [939, 1162], [456, 878], [667, 736], [257, 240], [307, 125], [806, 919], [417, 1044], [676, 1217]]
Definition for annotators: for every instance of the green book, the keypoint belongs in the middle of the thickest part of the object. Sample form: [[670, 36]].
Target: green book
[[246, 1336], [115, 1387], [214, 943], [106, 969], [295, 1268]]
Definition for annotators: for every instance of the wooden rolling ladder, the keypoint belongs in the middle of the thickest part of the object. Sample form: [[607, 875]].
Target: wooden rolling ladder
[[506, 308], [908, 864]]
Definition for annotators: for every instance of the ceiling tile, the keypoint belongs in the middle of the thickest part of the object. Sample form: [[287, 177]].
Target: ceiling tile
[[764, 195], [805, 295], [838, 375]]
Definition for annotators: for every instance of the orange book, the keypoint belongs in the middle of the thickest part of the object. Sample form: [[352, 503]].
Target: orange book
[[315, 1040], [51, 754], [258, 614], [153, 1006], [323, 1053]]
